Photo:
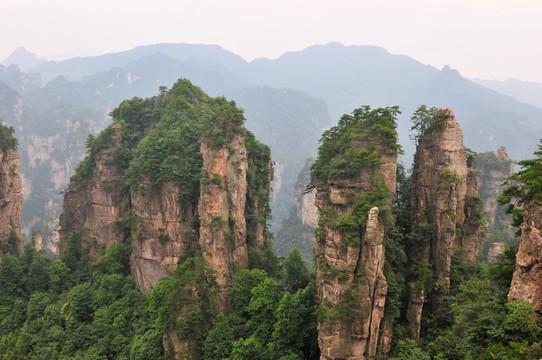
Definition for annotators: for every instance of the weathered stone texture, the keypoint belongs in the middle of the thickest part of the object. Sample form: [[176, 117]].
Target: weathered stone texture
[[527, 280], [346, 270], [11, 197], [443, 188]]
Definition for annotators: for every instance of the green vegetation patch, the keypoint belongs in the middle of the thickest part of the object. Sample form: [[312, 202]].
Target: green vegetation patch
[[7, 139], [355, 142]]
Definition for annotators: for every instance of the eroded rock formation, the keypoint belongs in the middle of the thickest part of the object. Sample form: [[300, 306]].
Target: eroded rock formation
[[94, 204], [446, 209], [349, 249], [527, 280], [162, 220], [187, 187]]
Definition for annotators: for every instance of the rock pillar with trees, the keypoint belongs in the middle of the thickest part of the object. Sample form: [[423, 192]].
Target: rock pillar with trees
[[11, 196], [355, 178], [446, 209]]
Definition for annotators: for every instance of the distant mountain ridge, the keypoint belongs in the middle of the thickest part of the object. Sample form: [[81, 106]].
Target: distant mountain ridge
[[24, 59], [524, 91], [75, 69]]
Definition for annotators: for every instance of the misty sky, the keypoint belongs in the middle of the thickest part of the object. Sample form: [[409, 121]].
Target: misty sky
[[490, 39]]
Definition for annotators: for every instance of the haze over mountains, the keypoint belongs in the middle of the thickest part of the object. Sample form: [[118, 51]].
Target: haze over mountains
[[288, 101]]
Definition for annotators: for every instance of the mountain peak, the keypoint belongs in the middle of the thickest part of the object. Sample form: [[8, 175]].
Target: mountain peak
[[24, 59]]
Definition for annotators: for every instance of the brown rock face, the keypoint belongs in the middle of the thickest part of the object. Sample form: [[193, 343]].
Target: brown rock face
[[527, 280], [223, 229], [95, 205], [161, 232], [351, 285], [11, 197], [445, 209]]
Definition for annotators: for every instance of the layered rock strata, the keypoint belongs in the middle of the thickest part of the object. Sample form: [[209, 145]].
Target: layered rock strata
[[446, 209]]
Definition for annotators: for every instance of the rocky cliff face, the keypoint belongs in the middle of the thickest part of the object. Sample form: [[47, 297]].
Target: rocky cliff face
[[95, 204], [354, 214], [223, 230], [446, 209], [11, 198], [297, 230], [527, 280], [305, 207]]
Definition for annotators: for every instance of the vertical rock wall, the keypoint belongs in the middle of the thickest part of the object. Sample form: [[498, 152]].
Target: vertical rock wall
[[11, 197], [161, 229], [351, 285], [95, 205], [527, 280], [221, 207], [444, 209]]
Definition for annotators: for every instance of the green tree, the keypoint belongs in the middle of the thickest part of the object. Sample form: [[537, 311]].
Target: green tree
[[147, 346], [219, 342], [296, 274], [295, 327], [241, 290], [524, 186], [249, 348], [60, 276], [262, 306], [425, 121]]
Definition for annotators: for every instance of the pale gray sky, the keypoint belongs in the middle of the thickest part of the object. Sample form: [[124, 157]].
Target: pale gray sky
[[490, 39]]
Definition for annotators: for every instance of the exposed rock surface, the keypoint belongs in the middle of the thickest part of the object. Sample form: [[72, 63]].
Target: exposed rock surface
[[223, 230], [445, 208], [161, 232], [306, 209], [95, 205], [11, 197], [351, 285], [527, 280]]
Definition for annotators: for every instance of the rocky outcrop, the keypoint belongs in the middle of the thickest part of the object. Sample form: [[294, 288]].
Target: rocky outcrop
[[527, 280], [446, 209], [95, 205], [351, 285], [305, 207], [11, 199]]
